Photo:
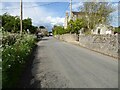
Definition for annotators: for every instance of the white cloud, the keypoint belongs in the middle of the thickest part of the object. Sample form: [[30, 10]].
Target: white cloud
[[55, 20]]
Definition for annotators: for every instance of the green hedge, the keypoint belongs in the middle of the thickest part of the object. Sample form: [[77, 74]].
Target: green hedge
[[14, 57]]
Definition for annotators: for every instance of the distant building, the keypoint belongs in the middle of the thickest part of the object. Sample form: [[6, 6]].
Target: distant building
[[74, 16], [66, 20]]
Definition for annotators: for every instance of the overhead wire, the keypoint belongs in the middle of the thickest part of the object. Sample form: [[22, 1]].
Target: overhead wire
[[7, 9], [30, 6], [65, 10], [36, 13]]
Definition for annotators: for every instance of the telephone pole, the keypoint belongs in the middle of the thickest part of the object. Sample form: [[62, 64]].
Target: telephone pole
[[21, 13], [70, 9]]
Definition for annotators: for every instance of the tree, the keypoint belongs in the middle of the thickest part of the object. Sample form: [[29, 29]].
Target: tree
[[27, 23], [33, 29], [8, 22], [75, 26], [58, 30], [117, 29], [96, 13], [78, 24], [70, 26], [12, 24]]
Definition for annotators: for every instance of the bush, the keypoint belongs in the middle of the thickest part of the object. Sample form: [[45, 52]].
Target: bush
[[58, 30], [14, 57]]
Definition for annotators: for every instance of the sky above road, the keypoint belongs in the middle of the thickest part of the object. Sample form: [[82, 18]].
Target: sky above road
[[48, 13]]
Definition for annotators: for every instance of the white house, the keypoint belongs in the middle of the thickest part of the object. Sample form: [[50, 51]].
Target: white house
[[102, 29]]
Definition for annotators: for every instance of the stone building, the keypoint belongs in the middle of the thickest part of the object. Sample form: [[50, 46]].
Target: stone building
[[66, 20], [74, 16]]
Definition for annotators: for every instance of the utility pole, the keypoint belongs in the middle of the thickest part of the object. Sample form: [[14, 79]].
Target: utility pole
[[70, 9], [21, 13], [71, 13]]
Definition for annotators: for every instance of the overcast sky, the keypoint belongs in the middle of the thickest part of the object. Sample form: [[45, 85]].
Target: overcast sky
[[47, 13]]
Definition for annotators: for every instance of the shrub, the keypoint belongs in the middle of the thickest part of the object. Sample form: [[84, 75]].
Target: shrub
[[14, 57], [58, 30]]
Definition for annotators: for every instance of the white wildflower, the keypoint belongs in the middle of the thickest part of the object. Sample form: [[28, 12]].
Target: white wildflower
[[9, 66]]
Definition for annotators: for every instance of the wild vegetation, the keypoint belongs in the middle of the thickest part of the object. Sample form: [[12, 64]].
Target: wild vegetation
[[15, 48]]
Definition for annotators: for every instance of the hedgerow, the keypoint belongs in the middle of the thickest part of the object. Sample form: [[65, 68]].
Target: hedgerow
[[15, 51]]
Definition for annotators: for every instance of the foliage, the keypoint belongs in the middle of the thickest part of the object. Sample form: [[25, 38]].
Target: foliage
[[12, 24], [27, 23], [58, 30], [14, 56], [97, 13], [9, 39], [117, 29], [75, 26]]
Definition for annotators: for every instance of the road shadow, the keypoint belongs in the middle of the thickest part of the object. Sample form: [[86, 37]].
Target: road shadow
[[27, 80], [44, 39]]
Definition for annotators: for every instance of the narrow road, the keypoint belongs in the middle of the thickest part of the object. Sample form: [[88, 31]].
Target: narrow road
[[59, 64]]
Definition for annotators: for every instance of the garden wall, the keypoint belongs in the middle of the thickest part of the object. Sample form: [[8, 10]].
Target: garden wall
[[67, 37], [106, 44]]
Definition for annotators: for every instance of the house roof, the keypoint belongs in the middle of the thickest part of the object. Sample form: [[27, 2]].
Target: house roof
[[82, 13], [78, 13]]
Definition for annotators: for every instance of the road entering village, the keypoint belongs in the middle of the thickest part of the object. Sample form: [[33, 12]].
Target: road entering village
[[59, 64]]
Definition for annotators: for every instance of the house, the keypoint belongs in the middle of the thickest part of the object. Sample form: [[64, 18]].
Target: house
[[74, 16], [102, 29], [66, 20], [99, 28]]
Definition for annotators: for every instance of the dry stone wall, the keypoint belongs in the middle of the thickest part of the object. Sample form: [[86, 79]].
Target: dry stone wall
[[106, 44], [67, 37]]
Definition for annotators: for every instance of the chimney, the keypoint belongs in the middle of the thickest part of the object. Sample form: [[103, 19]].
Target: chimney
[[66, 14]]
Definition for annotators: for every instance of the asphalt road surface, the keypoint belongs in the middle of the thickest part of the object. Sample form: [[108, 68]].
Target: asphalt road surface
[[58, 64]]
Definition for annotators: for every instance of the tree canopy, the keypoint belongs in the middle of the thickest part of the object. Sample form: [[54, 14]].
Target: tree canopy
[[12, 24], [97, 13]]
